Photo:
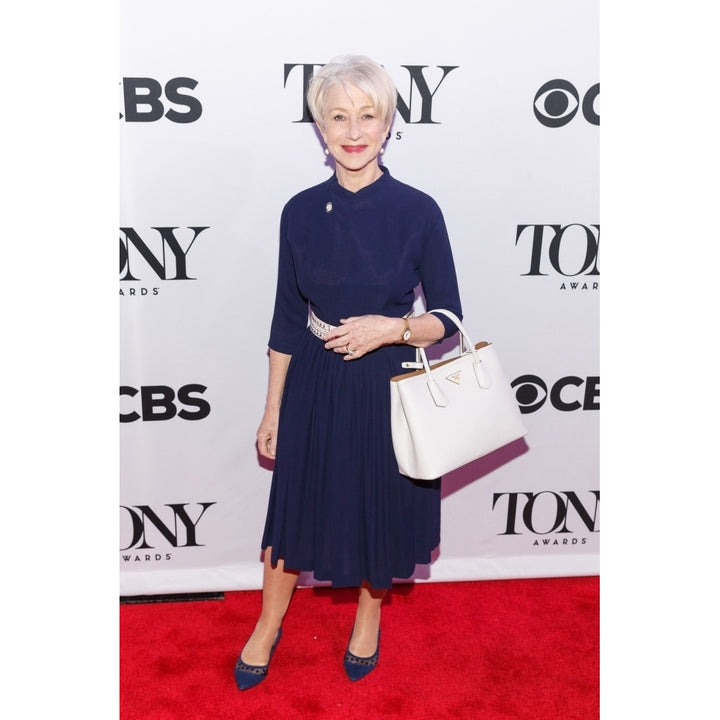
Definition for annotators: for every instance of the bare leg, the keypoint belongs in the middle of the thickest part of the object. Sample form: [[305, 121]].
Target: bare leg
[[364, 639], [278, 587]]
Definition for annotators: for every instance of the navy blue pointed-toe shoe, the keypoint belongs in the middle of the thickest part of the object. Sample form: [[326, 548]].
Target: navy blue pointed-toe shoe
[[358, 667], [248, 676]]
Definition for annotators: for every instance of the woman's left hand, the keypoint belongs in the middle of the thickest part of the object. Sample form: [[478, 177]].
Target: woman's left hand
[[357, 336]]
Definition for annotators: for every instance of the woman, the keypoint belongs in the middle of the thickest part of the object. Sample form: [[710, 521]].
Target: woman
[[352, 250]]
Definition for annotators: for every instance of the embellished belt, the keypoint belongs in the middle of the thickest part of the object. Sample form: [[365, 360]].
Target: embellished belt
[[318, 327]]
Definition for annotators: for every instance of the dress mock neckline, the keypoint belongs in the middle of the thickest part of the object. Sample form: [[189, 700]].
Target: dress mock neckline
[[373, 187]]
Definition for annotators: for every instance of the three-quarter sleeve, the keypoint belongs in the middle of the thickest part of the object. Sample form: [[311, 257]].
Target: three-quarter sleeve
[[437, 273], [291, 308]]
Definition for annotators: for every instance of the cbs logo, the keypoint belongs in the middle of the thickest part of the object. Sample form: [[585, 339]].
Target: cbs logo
[[566, 394], [160, 402], [556, 103], [143, 100]]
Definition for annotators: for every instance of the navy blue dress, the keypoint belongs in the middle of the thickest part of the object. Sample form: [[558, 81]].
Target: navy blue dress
[[338, 505]]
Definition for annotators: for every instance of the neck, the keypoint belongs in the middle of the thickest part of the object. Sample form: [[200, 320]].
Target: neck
[[354, 180]]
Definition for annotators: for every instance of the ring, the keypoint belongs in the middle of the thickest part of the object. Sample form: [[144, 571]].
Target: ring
[[348, 350]]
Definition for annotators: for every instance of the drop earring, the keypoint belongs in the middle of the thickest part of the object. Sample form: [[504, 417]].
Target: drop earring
[[326, 151], [382, 151]]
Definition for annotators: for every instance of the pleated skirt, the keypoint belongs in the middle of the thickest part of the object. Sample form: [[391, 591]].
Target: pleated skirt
[[338, 505]]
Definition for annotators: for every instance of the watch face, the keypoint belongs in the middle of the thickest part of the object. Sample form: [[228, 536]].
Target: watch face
[[406, 335]]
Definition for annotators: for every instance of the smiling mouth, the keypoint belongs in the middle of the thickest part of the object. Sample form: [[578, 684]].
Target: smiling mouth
[[354, 148]]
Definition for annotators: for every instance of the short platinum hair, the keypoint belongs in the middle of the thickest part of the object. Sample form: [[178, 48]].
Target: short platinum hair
[[360, 71]]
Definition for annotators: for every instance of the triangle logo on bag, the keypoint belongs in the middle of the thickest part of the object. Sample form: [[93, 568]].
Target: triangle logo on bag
[[454, 378]]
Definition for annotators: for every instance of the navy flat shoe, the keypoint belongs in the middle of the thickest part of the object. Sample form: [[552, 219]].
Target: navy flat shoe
[[248, 676], [356, 667]]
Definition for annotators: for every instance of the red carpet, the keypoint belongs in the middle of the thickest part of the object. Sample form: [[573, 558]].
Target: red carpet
[[493, 650]]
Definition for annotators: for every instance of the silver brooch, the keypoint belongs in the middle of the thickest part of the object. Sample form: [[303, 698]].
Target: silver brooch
[[328, 208]]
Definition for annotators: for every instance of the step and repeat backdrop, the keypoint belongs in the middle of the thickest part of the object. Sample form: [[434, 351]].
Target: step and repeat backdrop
[[498, 120]]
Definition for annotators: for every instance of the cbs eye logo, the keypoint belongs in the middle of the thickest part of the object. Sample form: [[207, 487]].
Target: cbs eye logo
[[566, 394], [556, 103]]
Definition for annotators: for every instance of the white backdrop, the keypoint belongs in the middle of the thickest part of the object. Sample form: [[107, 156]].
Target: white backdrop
[[499, 123]]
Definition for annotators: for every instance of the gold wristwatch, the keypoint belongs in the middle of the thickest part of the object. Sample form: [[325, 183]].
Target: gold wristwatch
[[407, 333]]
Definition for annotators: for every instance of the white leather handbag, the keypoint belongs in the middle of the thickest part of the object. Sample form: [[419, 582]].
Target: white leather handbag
[[453, 412]]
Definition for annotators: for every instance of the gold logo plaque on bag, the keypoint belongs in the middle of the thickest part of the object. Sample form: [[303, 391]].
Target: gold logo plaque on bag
[[454, 378]]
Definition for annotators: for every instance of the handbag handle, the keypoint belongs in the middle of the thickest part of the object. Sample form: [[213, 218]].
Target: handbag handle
[[482, 377], [463, 332]]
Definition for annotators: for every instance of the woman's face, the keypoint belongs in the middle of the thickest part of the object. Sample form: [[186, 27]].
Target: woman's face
[[352, 130]]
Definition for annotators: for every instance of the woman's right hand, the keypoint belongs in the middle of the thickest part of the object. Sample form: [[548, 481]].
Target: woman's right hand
[[268, 430], [267, 433]]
